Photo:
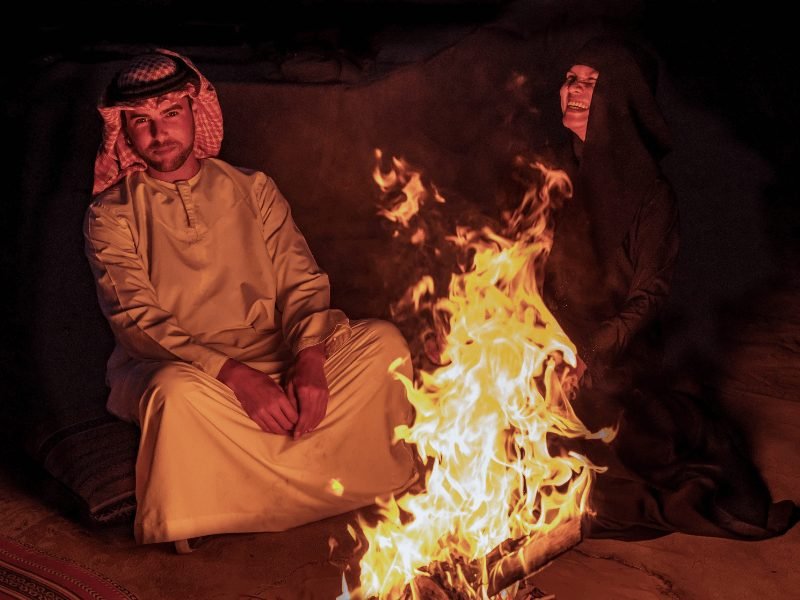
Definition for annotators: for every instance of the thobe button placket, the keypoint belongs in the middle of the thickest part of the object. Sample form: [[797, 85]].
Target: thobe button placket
[[185, 191]]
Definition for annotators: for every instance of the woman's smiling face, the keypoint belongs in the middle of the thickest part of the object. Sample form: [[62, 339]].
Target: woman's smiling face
[[576, 98]]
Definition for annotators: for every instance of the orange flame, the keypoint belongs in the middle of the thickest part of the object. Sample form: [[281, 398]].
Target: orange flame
[[413, 193], [485, 422]]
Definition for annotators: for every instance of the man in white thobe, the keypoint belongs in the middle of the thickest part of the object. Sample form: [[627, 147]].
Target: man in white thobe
[[260, 407]]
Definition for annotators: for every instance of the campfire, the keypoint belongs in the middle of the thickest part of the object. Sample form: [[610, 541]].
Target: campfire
[[503, 493]]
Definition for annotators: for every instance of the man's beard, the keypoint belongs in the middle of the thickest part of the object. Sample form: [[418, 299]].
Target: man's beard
[[165, 164]]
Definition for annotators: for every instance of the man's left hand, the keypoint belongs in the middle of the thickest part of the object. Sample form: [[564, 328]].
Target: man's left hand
[[307, 389]]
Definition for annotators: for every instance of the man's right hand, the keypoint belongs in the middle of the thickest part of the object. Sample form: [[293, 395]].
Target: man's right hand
[[261, 398]]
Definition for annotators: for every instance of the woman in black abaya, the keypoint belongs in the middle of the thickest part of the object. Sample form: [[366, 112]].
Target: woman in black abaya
[[675, 464]]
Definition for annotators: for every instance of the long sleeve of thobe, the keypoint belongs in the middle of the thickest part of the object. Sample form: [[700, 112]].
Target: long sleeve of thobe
[[303, 289], [130, 303], [651, 249]]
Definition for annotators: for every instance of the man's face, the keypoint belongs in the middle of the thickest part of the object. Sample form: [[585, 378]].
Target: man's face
[[576, 98], [163, 136]]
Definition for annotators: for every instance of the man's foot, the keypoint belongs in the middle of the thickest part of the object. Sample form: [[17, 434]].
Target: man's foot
[[190, 545]]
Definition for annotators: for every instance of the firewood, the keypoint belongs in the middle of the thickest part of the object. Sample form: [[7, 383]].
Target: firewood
[[509, 563], [525, 557]]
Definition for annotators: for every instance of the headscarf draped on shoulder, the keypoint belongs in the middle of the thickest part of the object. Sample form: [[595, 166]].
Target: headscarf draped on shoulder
[[626, 137], [145, 82]]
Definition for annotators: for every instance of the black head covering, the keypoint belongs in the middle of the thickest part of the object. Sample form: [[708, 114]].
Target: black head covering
[[616, 173], [625, 138]]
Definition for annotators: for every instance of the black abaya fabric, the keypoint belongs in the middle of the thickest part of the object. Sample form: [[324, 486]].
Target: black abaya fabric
[[676, 464]]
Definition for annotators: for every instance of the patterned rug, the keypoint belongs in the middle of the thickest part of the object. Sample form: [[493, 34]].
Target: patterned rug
[[27, 573]]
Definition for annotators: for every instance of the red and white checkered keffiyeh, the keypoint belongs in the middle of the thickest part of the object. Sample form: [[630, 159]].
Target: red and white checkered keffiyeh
[[115, 158]]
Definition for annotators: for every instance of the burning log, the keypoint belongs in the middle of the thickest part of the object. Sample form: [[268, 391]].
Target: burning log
[[424, 588], [523, 558], [509, 563]]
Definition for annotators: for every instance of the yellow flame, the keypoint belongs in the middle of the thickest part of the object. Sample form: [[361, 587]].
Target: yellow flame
[[412, 192], [487, 422], [345, 595], [335, 487]]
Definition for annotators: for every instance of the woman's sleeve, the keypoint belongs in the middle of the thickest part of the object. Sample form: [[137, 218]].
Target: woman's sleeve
[[303, 289], [652, 249], [129, 302]]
